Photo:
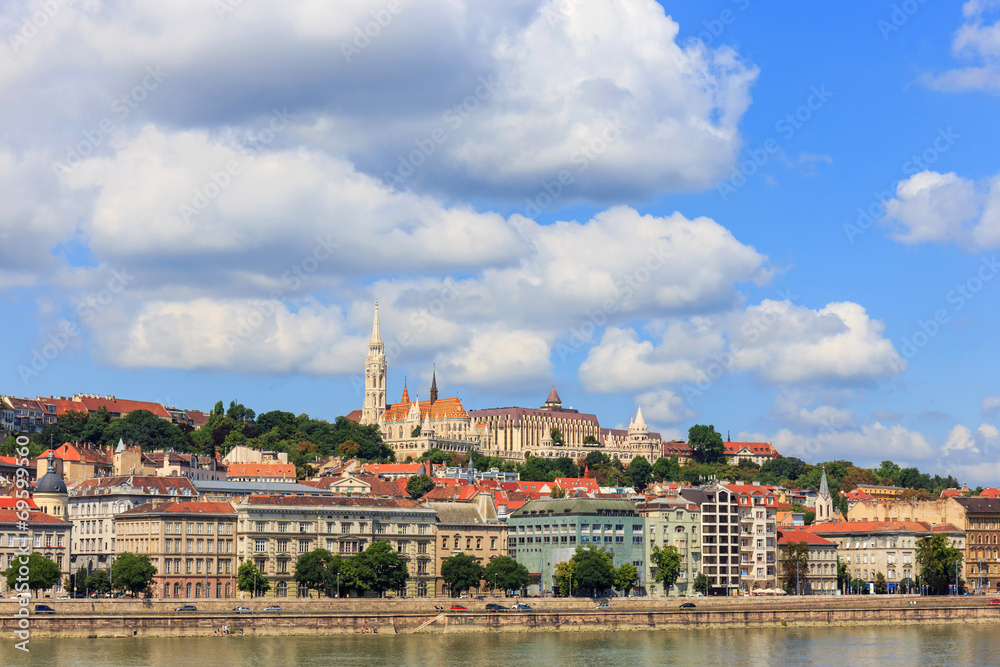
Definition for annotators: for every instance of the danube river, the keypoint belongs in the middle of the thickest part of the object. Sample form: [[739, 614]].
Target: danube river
[[955, 644]]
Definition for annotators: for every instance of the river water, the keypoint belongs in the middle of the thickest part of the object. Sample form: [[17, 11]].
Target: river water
[[954, 644]]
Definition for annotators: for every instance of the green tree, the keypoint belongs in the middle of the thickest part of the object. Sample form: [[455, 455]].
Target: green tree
[[859, 586], [506, 574], [435, 456], [557, 492], [42, 572], [557, 437], [782, 468], [706, 443], [419, 485], [794, 563], [666, 469], [99, 582], [590, 441], [461, 572], [639, 471], [701, 583], [939, 562], [132, 572], [593, 569], [843, 574], [415, 433], [625, 577], [317, 570], [378, 568], [251, 580], [80, 580], [563, 578], [667, 562], [881, 585]]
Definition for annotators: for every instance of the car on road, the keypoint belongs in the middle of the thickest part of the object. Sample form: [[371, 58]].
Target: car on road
[[493, 606], [44, 609], [186, 607], [520, 606], [687, 605], [240, 609], [273, 607], [64, 597], [994, 601], [458, 607], [603, 607]]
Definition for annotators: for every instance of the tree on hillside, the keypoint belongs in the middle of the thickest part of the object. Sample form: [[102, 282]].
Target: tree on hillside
[[557, 437], [506, 574], [666, 469], [794, 563], [251, 580], [706, 443], [782, 468], [590, 441], [317, 570], [461, 572], [639, 471], [42, 572], [667, 562], [419, 485]]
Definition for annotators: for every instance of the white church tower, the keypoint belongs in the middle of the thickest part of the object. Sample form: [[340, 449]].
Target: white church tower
[[824, 502], [375, 370]]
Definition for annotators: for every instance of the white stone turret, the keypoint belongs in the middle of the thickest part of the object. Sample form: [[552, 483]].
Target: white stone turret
[[375, 376]]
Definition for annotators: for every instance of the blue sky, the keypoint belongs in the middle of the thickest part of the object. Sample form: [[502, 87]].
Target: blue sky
[[778, 220]]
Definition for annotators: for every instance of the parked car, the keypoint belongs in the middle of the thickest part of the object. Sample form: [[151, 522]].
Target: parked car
[[458, 607], [520, 606], [64, 597], [186, 607], [273, 607], [240, 609], [44, 609], [994, 601], [687, 605], [603, 607], [493, 606]]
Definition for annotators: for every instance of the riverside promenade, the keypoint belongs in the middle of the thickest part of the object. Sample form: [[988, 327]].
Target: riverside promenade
[[158, 618]]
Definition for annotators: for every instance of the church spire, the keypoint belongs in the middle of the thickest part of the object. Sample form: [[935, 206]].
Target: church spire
[[824, 488], [434, 385], [376, 329]]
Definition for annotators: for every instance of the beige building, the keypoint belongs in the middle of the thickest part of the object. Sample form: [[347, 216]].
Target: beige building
[[672, 521], [191, 545], [273, 531], [889, 547], [820, 577], [45, 535], [758, 536], [471, 528], [720, 535]]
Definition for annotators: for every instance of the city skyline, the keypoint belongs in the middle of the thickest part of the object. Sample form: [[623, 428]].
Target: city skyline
[[779, 221]]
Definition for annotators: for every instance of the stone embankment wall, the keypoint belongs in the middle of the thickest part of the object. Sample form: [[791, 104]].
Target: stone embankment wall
[[665, 616]]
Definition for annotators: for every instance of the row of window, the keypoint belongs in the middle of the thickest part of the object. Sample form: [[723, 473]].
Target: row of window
[[50, 539], [196, 565]]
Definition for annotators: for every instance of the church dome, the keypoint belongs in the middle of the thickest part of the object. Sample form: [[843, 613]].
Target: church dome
[[51, 482]]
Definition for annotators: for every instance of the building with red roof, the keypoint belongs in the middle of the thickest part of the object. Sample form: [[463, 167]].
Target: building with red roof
[[758, 535], [819, 575], [76, 462], [260, 472], [45, 535], [755, 452]]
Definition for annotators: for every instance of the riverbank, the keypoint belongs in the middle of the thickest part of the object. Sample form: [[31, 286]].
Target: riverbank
[[153, 620]]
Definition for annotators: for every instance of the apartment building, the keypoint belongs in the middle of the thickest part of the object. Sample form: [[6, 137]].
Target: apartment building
[[191, 545], [758, 536], [45, 535], [720, 536], [273, 531], [467, 527], [820, 576], [673, 521]]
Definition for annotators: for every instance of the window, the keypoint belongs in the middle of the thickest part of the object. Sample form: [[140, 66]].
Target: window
[[190, 529], [201, 527], [282, 526], [208, 529], [259, 545], [303, 527], [282, 546], [303, 546]]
